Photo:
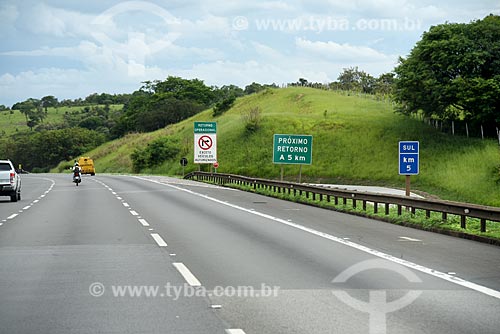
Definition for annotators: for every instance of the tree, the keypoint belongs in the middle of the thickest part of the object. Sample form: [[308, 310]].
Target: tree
[[385, 83], [49, 101], [350, 78], [32, 110], [453, 72], [227, 91], [183, 89], [254, 87]]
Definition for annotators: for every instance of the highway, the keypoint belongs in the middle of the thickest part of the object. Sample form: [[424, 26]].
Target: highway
[[152, 254]]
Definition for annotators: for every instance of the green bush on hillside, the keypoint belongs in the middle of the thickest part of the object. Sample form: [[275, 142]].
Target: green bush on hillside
[[154, 153], [223, 105]]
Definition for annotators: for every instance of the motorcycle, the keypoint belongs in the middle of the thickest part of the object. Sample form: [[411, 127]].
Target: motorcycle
[[77, 178]]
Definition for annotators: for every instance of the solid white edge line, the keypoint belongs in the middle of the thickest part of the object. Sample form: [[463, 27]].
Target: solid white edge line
[[235, 331], [186, 273], [159, 240], [143, 222], [12, 216], [411, 265]]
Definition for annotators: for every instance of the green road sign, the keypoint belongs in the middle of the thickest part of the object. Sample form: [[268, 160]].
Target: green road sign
[[205, 127], [292, 149]]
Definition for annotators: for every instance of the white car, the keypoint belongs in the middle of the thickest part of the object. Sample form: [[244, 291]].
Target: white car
[[10, 182]]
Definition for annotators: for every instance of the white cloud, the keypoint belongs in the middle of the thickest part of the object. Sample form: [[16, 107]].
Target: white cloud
[[44, 19], [273, 5], [207, 25], [267, 52], [8, 14], [341, 52]]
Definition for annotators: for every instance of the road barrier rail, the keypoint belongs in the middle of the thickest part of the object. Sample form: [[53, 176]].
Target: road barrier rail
[[464, 210]]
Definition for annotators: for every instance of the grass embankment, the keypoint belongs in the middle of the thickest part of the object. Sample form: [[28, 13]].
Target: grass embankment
[[355, 142]]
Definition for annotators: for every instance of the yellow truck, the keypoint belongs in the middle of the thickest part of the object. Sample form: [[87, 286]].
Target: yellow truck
[[86, 165]]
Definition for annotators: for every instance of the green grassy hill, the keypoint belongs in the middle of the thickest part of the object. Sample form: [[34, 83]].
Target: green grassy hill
[[355, 142]]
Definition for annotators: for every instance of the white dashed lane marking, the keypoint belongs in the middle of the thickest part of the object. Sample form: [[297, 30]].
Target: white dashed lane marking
[[143, 222], [187, 274], [235, 331], [159, 240]]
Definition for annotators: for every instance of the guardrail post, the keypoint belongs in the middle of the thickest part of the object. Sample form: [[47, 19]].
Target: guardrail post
[[336, 200], [344, 200], [354, 203], [375, 207], [386, 209], [399, 210], [427, 213], [364, 205], [314, 196], [463, 222], [321, 197], [328, 198], [483, 225], [445, 216], [412, 209]]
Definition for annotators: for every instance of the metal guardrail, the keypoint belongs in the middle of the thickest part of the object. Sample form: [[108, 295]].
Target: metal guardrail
[[464, 210]]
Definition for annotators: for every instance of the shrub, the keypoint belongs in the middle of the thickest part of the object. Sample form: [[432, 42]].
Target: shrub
[[154, 153], [223, 105], [252, 118]]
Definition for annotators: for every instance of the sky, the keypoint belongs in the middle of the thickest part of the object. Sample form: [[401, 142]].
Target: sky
[[71, 49]]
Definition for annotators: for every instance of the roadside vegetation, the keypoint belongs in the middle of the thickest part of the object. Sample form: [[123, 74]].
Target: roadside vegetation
[[355, 141]]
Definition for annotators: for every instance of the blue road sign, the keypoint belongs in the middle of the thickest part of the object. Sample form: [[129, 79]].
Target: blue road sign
[[408, 157]]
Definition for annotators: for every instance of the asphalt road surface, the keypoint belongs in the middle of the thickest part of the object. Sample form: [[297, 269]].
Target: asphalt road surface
[[128, 254]]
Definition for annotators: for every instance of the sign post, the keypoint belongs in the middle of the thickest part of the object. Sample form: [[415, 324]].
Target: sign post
[[292, 149], [408, 161], [183, 163], [205, 142]]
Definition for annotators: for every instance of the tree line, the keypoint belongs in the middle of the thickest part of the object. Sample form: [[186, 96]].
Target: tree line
[[102, 117]]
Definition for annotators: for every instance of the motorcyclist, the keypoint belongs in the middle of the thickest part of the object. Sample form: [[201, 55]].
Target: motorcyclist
[[76, 170]]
